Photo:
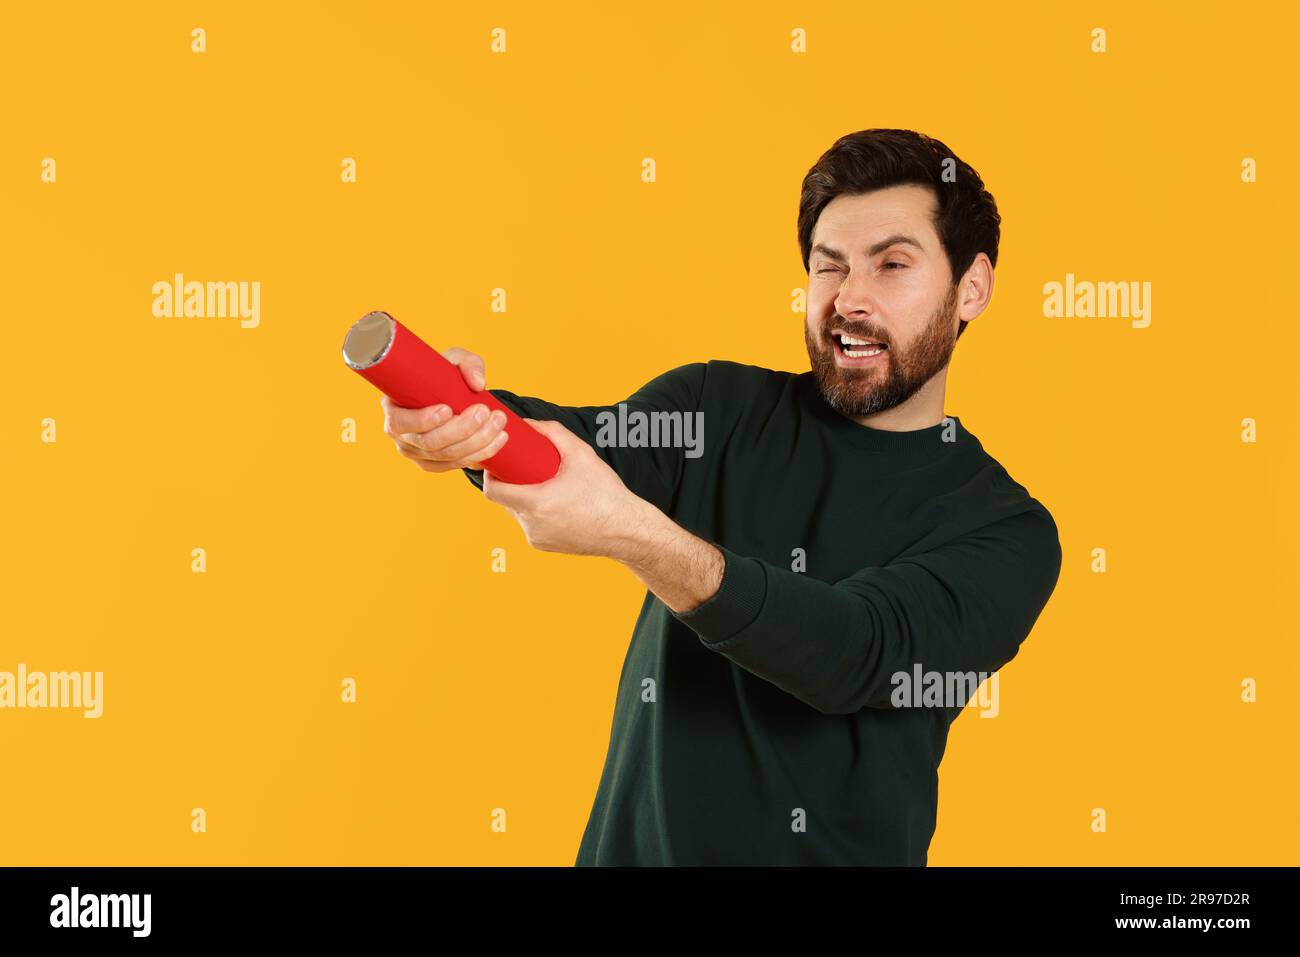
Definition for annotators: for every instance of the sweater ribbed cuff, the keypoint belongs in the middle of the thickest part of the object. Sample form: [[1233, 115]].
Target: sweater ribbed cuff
[[736, 603]]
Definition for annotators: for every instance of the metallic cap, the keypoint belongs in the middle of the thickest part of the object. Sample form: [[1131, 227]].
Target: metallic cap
[[369, 340]]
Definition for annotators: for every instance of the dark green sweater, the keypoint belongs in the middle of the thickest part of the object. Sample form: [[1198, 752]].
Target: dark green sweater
[[759, 727]]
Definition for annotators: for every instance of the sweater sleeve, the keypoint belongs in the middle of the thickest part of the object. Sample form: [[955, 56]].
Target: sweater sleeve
[[650, 472], [963, 607]]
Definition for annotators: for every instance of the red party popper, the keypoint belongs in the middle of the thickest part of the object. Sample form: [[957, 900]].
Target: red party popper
[[406, 369]]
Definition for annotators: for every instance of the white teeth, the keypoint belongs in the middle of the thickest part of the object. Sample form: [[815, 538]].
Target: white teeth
[[874, 348]]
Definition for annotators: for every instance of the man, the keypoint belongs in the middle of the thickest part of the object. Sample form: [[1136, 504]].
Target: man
[[838, 535]]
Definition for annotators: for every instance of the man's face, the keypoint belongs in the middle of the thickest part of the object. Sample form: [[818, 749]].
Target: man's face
[[867, 281]]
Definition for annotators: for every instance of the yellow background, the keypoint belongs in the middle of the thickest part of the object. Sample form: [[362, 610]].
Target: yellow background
[[522, 170]]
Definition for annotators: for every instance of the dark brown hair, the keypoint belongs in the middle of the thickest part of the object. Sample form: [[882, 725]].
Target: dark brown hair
[[966, 220]]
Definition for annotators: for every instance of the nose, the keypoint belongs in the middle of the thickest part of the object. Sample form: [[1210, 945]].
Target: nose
[[856, 297]]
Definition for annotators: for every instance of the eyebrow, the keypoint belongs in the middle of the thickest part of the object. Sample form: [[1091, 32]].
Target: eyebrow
[[879, 247]]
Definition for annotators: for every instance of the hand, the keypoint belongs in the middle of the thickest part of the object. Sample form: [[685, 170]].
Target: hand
[[584, 509], [438, 441]]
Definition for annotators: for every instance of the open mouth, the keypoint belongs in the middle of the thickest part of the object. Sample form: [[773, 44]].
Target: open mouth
[[853, 348]]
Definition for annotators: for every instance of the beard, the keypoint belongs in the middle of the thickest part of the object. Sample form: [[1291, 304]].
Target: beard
[[866, 391]]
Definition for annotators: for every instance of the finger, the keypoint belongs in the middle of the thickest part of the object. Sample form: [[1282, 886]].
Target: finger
[[444, 442], [495, 491], [490, 450], [429, 465], [471, 367], [399, 420], [432, 441], [433, 463], [474, 446]]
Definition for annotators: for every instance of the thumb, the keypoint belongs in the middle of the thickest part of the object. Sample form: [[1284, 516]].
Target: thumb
[[552, 430], [565, 442]]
